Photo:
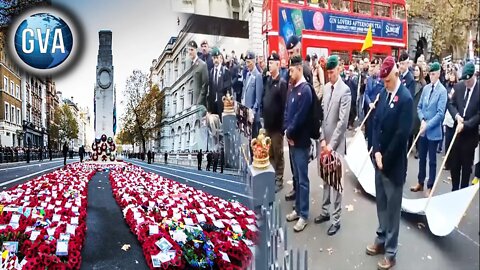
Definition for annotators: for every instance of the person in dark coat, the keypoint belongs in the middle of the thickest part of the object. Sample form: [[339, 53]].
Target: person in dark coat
[[352, 81], [392, 127], [50, 153], [149, 157], [28, 154], [464, 109], [222, 160], [205, 54], [81, 153], [65, 153], [373, 89], [165, 156], [209, 160], [215, 160], [40, 154], [219, 84], [199, 159]]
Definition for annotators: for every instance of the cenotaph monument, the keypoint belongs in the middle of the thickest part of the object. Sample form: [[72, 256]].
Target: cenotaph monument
[[105, 122]]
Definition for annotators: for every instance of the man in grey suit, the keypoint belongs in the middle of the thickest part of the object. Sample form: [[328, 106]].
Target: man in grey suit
[[253, 91], [200, 75], [336, 109]]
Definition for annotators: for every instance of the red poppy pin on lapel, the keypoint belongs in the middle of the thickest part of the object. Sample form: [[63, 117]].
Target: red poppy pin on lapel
[[395, 99]]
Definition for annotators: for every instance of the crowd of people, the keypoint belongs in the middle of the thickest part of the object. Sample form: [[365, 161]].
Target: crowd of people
[[429, 107]]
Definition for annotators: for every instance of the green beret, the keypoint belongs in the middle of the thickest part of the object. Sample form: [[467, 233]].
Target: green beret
[[435, 66], [215, 51], [468, 71], [332, 62]]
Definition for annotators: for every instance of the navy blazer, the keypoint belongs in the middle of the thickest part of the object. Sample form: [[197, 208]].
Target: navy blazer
[[392, 127], [409, 81]]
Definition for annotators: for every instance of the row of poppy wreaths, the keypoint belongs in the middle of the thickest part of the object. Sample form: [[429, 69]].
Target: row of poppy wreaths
[[43, 221], [180, 227]]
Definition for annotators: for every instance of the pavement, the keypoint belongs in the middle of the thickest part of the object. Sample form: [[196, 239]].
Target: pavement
[[418, 247]]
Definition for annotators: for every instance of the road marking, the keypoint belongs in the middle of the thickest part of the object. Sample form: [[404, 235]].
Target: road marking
[[27, 176], [192, 173], [32, 165], [197, 182], [468, 237]]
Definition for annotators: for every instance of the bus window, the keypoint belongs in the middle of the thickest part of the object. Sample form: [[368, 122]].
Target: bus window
[[293, 1], [357, 55], [381, 9], [342, 5], [361, 6], [318, 3], [395, 53], [398, 11], [342, 55], [380, 56]]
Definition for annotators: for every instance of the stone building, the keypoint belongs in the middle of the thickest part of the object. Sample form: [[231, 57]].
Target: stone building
[[34, 111], [52, 104], [75, 143], [11, 102], [420, 34]]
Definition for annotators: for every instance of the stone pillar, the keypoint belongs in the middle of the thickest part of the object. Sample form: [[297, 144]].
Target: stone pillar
[[255, 38], [231, 138]]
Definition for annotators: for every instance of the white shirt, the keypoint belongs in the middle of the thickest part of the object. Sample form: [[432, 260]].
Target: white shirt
[[300, 81], [394, 92], [469, 96], [405, 73]]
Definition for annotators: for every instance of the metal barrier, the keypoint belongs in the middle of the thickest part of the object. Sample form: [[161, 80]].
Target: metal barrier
[[10, 157]]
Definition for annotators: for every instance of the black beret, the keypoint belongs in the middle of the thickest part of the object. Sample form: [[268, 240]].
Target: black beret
[[274, 57], [296, 61], [192, 44], [292, 42], [403, 57], [375, 61], [205, 42]]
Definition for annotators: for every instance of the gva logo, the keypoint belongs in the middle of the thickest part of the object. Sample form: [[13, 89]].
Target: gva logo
[[43, 40]]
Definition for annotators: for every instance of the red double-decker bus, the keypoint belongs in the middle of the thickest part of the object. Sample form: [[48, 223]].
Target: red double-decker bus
[[339, 27]]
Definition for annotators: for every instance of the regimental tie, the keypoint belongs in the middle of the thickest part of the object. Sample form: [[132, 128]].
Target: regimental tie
[[431, 92], [467, 99], [389, 97]]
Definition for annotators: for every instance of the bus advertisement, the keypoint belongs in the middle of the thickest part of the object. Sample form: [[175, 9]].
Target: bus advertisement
[[336, 27]]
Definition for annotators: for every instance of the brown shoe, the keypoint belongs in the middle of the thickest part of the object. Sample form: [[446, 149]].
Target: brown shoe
[[416, 188], [385, 264], [375, 249]]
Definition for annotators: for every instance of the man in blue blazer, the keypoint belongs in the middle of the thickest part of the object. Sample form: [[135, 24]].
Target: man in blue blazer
[[392, 126], [431, 112], [252, 92], [373, 88]]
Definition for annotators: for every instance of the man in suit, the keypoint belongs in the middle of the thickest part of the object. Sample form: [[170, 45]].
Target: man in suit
[[296, 118], [199, 159], [392, 126], [351, 80], [200, 75], [431, 112], [273, 107], [408, 80], [205, 54], [219, 84], [336, 110], [253, 91], [464, 107], [373, 88]]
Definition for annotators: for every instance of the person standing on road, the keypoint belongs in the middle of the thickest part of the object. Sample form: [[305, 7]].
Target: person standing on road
[[392, 127], [50, 153], [40, 154], [65, 153], [215, 160], [273, 108], [28, 154], [81, 153], [149, 157], [209, 160], [296, 118], [199, 159], [336, 105], [222, 159], [431, 112], [165, 156]]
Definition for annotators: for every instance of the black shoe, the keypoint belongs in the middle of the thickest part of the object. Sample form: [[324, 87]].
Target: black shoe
[[290, 196], [333, 229], [320, 219], [416, 156]]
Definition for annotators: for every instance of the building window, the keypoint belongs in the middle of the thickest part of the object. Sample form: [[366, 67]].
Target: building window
[[17, 91], [318, 3], [381, 9], [5, 83], [7, 111], [12, 88], [236, 15], [343, 55], [361, 6], [12, 114], [398, 11], [342, 5], [18, 116]]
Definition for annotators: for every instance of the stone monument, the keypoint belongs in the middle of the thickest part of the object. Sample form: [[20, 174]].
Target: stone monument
[[104, 147]]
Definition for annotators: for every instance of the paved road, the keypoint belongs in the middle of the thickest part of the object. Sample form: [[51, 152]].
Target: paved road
[[418, 249]]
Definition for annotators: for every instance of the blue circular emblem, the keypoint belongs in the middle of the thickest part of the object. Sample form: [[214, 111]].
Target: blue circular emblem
[[43, 41]]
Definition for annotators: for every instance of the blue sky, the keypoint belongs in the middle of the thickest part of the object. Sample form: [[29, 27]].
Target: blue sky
[[140, 31]]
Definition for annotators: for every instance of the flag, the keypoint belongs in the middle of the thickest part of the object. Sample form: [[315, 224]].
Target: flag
[[368, 43]]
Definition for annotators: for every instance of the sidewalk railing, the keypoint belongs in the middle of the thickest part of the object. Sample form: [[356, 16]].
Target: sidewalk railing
[[10, 157]]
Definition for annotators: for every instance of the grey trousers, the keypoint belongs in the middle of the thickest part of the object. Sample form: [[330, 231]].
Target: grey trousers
[[389, 204], [337, 203]]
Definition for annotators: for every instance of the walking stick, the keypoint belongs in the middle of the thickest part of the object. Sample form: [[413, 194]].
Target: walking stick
[[368, 113], [435, 184], [413, 144]]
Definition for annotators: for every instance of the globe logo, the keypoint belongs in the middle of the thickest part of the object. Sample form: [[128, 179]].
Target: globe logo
[[43, 41]]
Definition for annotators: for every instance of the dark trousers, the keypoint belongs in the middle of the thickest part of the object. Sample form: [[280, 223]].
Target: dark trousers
[[294, 176], [209, 163], [81, 158], [449, 132], [65, 159], [389, 204], [199, 164], [440, 145], [300, 157], [215, 165], [461, 162], [427, 147]]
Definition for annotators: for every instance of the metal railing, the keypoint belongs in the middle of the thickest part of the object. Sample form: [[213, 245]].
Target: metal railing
[[11, 157]]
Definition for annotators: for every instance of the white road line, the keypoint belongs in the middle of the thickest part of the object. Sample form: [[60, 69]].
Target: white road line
[[212, 177], [27, 176], [468, 237], [200, 183], [32, 165]]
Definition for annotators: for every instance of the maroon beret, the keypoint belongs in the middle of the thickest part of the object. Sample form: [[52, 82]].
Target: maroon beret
[[387, 66]]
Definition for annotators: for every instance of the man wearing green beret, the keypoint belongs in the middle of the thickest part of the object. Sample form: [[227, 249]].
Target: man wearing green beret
[[219, 84], [200, 75], [337, 100], [431, 112], [464, 107]]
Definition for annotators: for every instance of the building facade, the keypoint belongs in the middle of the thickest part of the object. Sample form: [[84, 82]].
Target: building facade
[[75, 143], [34, 111], [11, 102], [86, 134], [52, 104]]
